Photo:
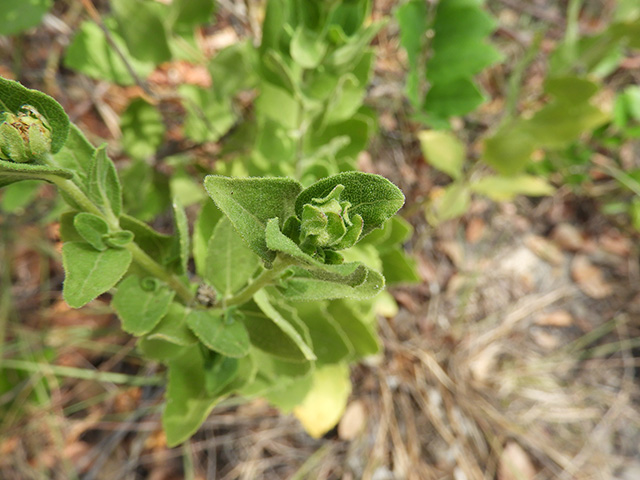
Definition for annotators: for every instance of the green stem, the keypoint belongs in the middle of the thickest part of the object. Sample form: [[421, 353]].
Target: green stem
[[515, 82], [572, 33], [264, 279], [153, 267], [139, 256]]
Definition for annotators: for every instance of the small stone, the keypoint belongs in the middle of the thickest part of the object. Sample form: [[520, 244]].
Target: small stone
[[557, 318], [567, 237]]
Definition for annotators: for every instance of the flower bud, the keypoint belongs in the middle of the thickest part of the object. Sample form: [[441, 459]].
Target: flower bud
[[24, 137], [326, 224]]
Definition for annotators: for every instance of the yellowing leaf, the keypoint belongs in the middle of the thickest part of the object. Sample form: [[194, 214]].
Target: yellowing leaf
[[453, 203], [443, 150], [324, 405], [500, 188]]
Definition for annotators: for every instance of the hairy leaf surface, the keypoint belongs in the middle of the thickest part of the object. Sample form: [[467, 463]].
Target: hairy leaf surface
[[89, 272]]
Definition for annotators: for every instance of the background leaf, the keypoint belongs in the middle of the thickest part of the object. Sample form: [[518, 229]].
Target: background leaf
[[90, 53], [142, 129], [412, 18], [444, 151], [146, 38], [16, 17], [501, 189], [208, 117]]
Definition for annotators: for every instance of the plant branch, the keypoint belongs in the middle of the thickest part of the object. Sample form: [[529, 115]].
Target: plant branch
[[515, 82], [265, 279], [139, 256], [153, 267]]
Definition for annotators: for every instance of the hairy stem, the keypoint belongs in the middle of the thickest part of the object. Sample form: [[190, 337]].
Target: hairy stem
[[265, 279], [153, 267]]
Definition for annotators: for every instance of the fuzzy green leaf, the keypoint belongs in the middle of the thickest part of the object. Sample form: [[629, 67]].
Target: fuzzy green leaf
[[372, 197], [104, 185], [219, 372], [290, 326], [230, 263], [251, 202], [141, 303], [330, 343], [77, 155], [218, 334], [89, 272], [347, 273], [202, 231], [157, 245], [173, 327], [359, 332], [11, 172], [306, 285], [188, 404], [278, 338], [91, 228], [118, 239]]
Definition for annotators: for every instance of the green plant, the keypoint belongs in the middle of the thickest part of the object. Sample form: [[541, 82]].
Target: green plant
[[446, 44], [270, 250], [16, 17], [567, 109]]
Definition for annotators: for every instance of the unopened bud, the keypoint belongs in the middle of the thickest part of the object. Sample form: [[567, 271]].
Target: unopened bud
[[24, 137], [325, 223]]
